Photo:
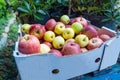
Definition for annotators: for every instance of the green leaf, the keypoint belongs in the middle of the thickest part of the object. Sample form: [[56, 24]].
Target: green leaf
[[2, 2], [83, 8], [79, 9], [105, 20], [82, 1], [23, 9], [116, 13], [33, 9], [39, 17], [118, 18], [59, 1], [27, 5], [23, 14], [108, 14], [41, 12], [109, 11]]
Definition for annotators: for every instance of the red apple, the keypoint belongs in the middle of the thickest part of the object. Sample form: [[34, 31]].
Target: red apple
[[81, 20], [37, 30], [43, 27], [71, 48], [67, 26], [104, 37], [50, 24], [48, 43], [94, 43], [29, 44], [90, 31], [55, 52], [84, 50], [71, 21]]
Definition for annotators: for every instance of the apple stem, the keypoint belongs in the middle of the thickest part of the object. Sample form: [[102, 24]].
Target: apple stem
[[72, 44], [26, 37], [61, 45], [38, 31], [83, 39], [51, 36], [60, 26]]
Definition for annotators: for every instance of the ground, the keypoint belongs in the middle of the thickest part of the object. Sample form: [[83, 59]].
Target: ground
[[8, 69]]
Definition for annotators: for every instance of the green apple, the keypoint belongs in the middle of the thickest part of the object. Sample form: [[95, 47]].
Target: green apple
[[82, 40], [49, 36], [25, 28], [65, 19], [68, 33], [58, 42], [59, 28], [77, 27], [44, 48]]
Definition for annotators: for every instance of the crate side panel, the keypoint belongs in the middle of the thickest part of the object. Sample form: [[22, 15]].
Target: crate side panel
[[111, 53], [33, 67], [75, 65]]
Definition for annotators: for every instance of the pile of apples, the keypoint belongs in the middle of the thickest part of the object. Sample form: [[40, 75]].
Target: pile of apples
[[66, 37]]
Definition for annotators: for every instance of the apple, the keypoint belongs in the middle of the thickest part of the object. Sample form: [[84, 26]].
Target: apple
[[44, 49], [71, 21], [48, 44], [67, 26], [55, 52], [94, 43], [37, 30], [70, 40], [59, 28], [84, 50], [65, 19], [49, 36], [90, 31], [43, 27], [104, 37], [68, 33], [58, 42], [29, 44], [81, 20], [82, 40], [50, 24], [25, 28], [71, 48], [77, 27]]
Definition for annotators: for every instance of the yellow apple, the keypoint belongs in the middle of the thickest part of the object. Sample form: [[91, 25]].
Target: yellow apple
[[82, 40], [65, 19], [25, 28], [68, 33], [44, 48], [77, 27], [49, 36], [59, 28], [70, 40], [58, 42]]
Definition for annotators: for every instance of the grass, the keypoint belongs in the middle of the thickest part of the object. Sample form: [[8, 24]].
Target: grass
[[4, 22], [12, 35], [8, 69]]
